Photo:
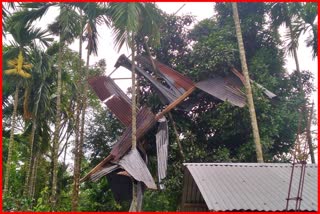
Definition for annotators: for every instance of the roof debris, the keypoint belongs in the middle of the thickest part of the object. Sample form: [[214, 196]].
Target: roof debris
[[123, 164], [116, 100], [162, 142]]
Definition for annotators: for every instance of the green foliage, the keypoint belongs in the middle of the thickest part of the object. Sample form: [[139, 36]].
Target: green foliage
[[218, 49], [98, 197], [210, 131], [13, 203], [174, 40], [43, 201]]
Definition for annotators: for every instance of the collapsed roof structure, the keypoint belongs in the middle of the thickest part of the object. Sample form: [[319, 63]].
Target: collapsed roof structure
[[123, 165]]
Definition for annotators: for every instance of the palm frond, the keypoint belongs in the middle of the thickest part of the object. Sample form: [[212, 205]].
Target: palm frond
[[292, 43], [38, 10], [24, 33], [66, 25], [143, 19]]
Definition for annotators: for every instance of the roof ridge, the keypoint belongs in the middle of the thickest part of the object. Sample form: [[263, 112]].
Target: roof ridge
[[249, 164]]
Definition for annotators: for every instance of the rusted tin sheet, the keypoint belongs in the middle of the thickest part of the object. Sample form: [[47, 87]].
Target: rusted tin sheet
[[145, 121], [110, 94], [179, 80], [162, 142], [167, 95], [146, 65], [224, 89], [136, 167]]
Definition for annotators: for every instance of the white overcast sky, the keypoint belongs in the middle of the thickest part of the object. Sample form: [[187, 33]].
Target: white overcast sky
[[200, 10]]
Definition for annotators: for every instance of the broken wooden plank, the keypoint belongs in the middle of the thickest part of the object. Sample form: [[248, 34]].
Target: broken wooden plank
[[175, 103]]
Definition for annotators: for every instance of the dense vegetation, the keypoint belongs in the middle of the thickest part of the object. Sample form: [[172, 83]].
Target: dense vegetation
[[45, 99]]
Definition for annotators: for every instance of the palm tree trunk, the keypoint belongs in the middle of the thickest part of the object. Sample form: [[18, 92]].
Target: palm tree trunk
[[78, 152], [11, 140], [55, 146], [33, 175], [309, 137], [28, 182], [253, 117], [177, 137], [76, 170], [134, 203], [26, 113], [32, 158], [303, 94], [134, 104]]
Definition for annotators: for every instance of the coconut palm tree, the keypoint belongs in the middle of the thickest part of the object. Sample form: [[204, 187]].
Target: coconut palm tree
[[298, 18], [6, 7], [247, 85], [129, 20], [40, 99], [24, 37], [94, 14], [286, 13], [307, 23], [66, 27]]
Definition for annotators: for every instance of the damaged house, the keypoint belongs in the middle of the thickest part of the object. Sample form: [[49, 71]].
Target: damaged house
[[123, 165]]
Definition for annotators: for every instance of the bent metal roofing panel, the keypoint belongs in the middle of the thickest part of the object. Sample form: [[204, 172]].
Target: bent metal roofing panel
[[253, 186]]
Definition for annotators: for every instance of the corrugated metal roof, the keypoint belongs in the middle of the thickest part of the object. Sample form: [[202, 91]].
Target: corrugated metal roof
[[145, 121], [106, 170], [162, 142], [117, 173], [226, 89], [174, 77], [167, 94], [251, 186], [223, 89], [109, 93], [136, 167]]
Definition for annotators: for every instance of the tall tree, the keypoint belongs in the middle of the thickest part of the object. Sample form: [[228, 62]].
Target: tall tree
[[24, 36], [76, 165], [129, 20], [40, 102], [94, 15], [66, 27], [244, 66], [297, 18], [308, 23]]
